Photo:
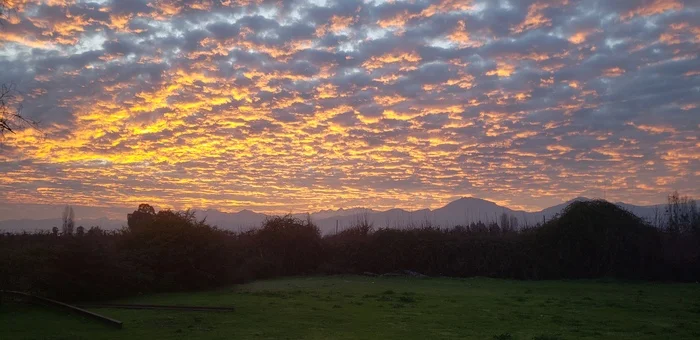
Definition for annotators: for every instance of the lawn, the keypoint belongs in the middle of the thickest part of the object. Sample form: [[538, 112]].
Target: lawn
[[353, 307]]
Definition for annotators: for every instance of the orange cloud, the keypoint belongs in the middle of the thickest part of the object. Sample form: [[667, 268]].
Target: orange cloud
[[391, 58], [442, 6], [503, 69], [653, 7], [460, 36], [613, 72], [535, 18], [655, 129], [581, 36], [6, 37]]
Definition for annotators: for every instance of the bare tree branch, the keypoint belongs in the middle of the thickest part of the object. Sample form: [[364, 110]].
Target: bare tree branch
[[11, 117]]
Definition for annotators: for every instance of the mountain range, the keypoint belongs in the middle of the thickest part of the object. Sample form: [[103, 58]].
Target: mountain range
[[459, 212]]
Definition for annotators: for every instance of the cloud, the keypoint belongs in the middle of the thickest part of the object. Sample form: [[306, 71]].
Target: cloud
[[279, 105]]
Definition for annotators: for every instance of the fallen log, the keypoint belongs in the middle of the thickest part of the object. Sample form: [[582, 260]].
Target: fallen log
[[42, 300], [162, 307]]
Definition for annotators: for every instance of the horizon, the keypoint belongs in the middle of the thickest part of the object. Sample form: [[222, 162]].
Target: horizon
[[119, 213], [316, 105]]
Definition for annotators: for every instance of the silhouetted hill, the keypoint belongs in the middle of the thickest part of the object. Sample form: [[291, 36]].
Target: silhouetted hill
[[595, 238]]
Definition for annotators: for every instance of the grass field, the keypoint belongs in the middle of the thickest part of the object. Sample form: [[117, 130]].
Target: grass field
[[351, 307]]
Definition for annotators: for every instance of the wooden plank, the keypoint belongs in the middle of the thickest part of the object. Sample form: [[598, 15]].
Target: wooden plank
[[43, 300], [163, 307]]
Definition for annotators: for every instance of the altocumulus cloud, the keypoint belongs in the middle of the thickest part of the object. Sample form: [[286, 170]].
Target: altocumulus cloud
[[301, 104]]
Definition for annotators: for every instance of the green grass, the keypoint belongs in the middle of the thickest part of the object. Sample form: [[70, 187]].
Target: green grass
[[351, 307]]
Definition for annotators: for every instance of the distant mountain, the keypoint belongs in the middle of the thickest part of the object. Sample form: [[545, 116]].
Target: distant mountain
[[649, 212], [16, 211], [463, 211], [459, 212], [323, 214], [240, 221]]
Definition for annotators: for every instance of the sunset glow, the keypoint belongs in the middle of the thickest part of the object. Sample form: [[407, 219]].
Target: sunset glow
[[280, 106]]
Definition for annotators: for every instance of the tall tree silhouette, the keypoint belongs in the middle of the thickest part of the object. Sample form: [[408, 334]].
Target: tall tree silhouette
[[682, 214], [141, 217], [68, 220]]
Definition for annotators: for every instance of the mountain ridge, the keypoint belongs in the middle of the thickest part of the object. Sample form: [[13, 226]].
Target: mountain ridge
[[461, 211]]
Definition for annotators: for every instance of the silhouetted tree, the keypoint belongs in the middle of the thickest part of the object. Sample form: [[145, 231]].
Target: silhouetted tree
[[80, 231], [173, 250], [597, 238], [95, 231], [658, 218], [54, 231], [68, 220], [505, 222], [682, 214], [514, 225], [508, 223], [494, 229], [478, 228], [141, 218], [288, 245]]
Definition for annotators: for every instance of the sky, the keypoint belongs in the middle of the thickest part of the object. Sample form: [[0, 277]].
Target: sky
[[304, 105]]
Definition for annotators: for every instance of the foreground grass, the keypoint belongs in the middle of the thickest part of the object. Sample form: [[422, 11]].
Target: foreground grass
[[351, 307]]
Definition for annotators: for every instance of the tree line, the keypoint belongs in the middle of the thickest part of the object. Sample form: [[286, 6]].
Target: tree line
[[174, 251]]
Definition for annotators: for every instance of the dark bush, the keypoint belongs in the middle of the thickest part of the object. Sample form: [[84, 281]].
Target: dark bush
[[289, 246], [175, 252], [596, 239]]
